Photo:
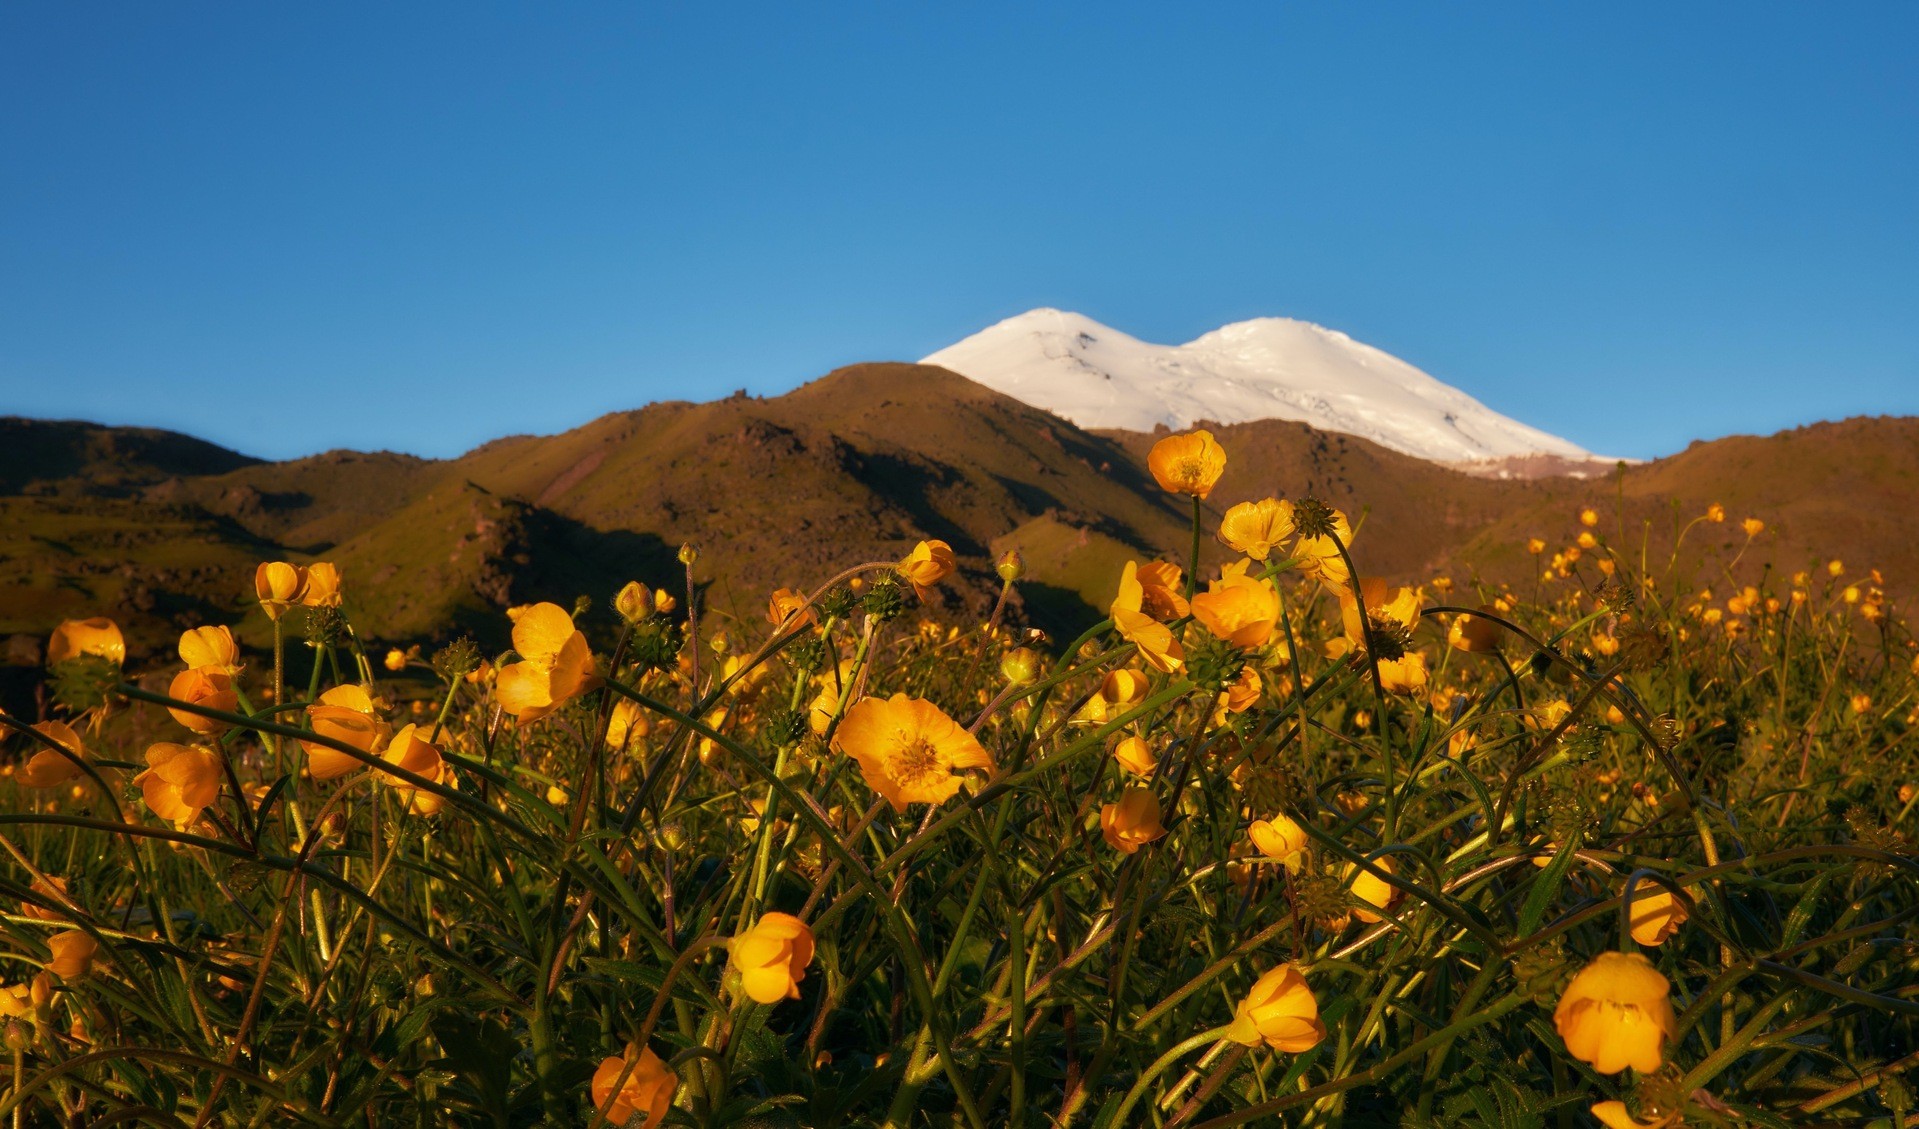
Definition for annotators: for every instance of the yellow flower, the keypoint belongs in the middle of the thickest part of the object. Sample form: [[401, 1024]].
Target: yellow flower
[[1319, 557], [907, 749], [1372, 890], [648, 1088], [344, 713], [1613, 1115], [772, 957], [1403, 675], [27, 1002], [1390, 606], [1154, 639], [1715, 513], [72, 954], [1135, 756], [53, 890], [410, 750], [1473, 634], [1244, 691], [210, 646], [47, 768], [322, 586], [1187, 464], [1281, 839], [1589, 517], [395, 659], [1280, 1011], [1159, 584], [1656, 914], [207, 686], [663, 601], [1753, 526], [1133, 822], [626, 723], [1238, 608], [1616, 1014], [929, 563], [787, 609], [179, 781], [1257, 528], [634, 602], [555, 664], [1535, 546], [98, 636], [1835, 567], [278, 586]]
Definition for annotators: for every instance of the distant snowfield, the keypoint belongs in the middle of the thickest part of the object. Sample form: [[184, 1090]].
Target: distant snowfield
[[1268, 368]]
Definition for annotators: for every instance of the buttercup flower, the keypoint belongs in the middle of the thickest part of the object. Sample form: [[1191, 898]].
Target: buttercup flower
[[47, 768], [648, 1088], [1257, 528], [1280, 1011], [1118, 692], [626, 723], [27, 1002], [1238, 608], [395, 659], [1753, 526], [1371, 890], [1281, 839], [345, 714], [1392, 607], [210, 646], [1616, 1013], [1473, 634], [1187, 464], [1135, 756], [1159, 591], [410, 750], [1133, 822], [1153, 638], [72, 954], [98, 636], [53, 890], [929, 563], [322, 587], [772, 957], [1319, 557], [555, 664], [908, 749], [208, 686], [1656, 914], [180, 781], [787, 608], [1403, 675], [1244, 691], [278, 586], [1589, 517]]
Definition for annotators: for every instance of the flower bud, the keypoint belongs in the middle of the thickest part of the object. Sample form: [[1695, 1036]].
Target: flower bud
[[1020, 666], [688, 554], [635, 602], [1011, 566]]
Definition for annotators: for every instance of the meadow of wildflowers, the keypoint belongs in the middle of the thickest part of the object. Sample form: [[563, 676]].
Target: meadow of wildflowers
[[1285, 844]]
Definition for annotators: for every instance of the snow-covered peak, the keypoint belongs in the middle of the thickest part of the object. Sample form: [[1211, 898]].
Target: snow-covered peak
[[1267, 368]]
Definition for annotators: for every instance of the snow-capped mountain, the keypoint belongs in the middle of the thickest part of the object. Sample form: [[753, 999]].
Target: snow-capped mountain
[[1268, 368]]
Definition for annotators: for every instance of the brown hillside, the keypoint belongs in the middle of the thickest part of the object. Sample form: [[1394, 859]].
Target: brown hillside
[[161, 530]]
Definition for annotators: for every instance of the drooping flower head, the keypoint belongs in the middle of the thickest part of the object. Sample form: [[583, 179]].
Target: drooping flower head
[[1617, 1013], [555, 664], [908, 749], [411, 750], [647, 1090], [1187, 464], [787, 609], [98, 636], [1133, 822], [1280, 1012], [1318, 553], [344, 714], [180, 781], [207, 686], [1656, 914], [72, 954], [1257, 528], [1238, 608], [929, 563], [46, 768], [772, 957]]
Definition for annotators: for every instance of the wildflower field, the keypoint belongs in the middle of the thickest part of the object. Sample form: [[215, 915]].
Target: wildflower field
[[1283, 844]]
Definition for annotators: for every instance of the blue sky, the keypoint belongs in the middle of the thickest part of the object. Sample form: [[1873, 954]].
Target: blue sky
[[294, 227]]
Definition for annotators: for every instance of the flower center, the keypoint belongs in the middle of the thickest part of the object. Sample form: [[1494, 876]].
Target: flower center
[[1188, 471], [916, 761]]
